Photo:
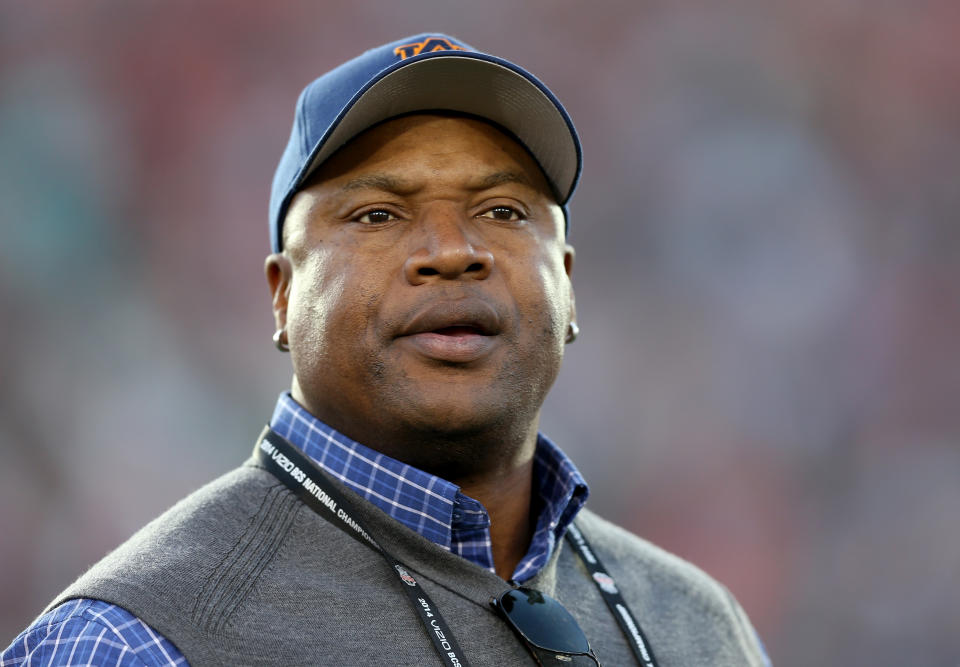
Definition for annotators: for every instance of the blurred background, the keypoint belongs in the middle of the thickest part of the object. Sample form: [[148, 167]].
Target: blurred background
[[768, 282]]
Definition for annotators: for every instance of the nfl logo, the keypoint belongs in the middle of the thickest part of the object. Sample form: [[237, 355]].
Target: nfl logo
[[405, 576], [605, 581]]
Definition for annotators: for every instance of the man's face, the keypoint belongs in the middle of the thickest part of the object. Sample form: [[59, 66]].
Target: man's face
[[424, 284]]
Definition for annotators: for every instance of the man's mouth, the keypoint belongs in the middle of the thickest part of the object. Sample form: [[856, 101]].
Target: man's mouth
[[458, 330], [452, 318], [453, 331]]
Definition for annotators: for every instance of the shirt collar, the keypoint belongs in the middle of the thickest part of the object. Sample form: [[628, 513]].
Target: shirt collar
[[430, 505]]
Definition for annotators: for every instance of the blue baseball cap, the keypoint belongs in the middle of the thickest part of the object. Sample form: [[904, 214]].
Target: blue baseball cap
[[424, 72]]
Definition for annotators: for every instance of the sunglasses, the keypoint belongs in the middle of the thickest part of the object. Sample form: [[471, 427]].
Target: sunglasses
[[549, 631]]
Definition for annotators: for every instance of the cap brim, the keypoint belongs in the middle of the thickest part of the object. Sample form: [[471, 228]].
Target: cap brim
[[474, 84]]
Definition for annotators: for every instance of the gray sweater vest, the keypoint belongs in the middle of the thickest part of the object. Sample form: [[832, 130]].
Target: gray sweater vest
[[241, 572]]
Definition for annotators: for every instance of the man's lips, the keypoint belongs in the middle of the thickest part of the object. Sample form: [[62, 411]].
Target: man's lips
[[453, 331], [461, 316], [459, 330]]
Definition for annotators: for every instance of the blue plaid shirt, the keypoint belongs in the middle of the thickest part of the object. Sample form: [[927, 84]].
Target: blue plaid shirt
[[93, 632]]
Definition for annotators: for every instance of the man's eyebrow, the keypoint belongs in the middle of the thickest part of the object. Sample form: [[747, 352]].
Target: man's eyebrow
[[501, 177], [378, 182]]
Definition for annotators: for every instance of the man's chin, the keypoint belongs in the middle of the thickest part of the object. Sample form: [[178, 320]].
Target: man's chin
[[454, 419], [456, 441], [466, 404]]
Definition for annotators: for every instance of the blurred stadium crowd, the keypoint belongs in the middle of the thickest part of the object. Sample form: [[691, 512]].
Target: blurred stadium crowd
[[768, 282]]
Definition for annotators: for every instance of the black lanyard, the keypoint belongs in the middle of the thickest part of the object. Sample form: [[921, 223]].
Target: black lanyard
[[611, 595], [302, 476]]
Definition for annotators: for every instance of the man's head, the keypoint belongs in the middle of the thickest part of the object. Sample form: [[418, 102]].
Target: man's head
[[423, 73], [423, 288]]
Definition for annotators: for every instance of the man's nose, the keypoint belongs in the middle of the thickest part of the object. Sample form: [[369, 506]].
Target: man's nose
[[443, 247]]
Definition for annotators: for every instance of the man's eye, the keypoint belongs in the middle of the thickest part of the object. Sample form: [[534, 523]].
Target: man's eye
[[504, 213], [376, 217]]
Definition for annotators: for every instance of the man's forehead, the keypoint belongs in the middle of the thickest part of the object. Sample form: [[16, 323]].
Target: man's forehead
[[359, 163]]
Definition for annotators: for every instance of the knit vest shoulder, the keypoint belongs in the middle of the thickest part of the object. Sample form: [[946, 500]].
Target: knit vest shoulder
[[241, 572]]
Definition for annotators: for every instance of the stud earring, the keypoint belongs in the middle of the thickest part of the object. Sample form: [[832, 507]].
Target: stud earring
[[278, 340]]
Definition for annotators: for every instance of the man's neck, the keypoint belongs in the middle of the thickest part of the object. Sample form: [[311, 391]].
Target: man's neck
[[507, 497], [493, 466], [503, 484]]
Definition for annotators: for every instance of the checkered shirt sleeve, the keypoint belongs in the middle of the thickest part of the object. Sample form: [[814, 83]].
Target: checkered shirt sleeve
[[90, 632]]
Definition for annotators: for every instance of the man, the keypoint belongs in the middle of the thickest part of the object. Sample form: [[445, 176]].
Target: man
[[402, 508]]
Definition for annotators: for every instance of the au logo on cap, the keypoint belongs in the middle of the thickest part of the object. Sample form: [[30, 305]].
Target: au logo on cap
[[428, 45]]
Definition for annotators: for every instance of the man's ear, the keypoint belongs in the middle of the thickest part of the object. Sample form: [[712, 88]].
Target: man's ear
[[279, 274], [568, 256]]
